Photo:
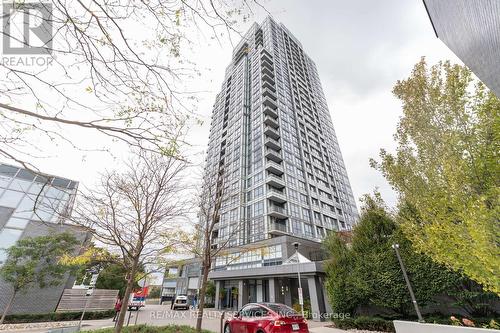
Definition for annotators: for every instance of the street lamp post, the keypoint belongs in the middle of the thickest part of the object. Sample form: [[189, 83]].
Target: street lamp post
[[95, 274], [301, 298], [412, 295]]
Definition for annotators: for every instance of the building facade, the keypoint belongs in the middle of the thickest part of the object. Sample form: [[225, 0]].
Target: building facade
[[182, 278], [31, 205], [471, 29], [276, 165]]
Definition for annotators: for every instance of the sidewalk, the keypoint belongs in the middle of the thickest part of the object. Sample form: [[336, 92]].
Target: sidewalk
[[325, 329], [156, 315]]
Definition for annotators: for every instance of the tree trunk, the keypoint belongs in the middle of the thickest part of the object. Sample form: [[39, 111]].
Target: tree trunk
[[126, 297], [203, 291], [7, 307]]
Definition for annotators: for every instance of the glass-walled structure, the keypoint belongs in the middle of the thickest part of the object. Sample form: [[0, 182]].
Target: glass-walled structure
[[26, 196], [33, 205]]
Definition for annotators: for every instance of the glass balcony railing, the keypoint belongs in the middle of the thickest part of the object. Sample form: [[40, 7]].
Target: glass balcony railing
[[277, 209], [273, 226], [270, 142]]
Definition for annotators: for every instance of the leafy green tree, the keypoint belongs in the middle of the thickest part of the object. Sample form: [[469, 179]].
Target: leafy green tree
[[154, 292], [364, 271], [340, 284], [446, 169], [114, 276], [35, 262], [210, 289]]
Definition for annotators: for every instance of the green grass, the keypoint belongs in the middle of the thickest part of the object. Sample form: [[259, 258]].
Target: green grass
[[154, 329]]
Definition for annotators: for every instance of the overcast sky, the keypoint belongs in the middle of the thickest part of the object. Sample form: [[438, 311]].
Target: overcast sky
[[361, 48]]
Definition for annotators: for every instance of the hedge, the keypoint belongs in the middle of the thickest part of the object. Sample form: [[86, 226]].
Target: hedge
[[365, 323], [154, 329], [386, 325], [56, 316]]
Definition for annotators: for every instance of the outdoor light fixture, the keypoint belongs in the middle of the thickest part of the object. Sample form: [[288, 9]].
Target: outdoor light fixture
[[395, 246], [301, 297]]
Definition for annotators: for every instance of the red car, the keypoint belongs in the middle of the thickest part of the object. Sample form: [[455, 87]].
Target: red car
[[266, 318]]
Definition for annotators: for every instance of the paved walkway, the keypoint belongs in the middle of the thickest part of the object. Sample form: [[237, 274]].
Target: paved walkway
[[161, 315]]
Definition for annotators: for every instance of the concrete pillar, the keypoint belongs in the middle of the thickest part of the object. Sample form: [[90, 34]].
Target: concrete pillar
[[217, 295], [242, 293], [316, 297], [328, 307], [288, 293], [260, 292], [272, 290]]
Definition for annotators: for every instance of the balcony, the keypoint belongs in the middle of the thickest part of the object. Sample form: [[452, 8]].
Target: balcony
[[274, 155], [268, 78], [267, 85], [276, 195], [277, 211], [266, 56], [275, 181], [271, 132], [268, 93], [272, 143], [274, 167], [276, 228], [267, 64], [271, 112], [271, 121], [268, 102], [267, 71]]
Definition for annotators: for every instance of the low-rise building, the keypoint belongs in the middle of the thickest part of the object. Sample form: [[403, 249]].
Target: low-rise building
[[268, 271], [181, 278]]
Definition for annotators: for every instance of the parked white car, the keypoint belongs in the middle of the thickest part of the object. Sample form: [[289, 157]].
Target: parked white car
[[181, 302]]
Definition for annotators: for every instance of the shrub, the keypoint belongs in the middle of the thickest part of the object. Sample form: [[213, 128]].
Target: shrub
[[386, 325], [307, 308], [154, 329], [485, 322], [56, 316], [365, 323]]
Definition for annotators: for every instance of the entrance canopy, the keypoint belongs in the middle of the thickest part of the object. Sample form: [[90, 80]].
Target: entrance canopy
[[296, 258]]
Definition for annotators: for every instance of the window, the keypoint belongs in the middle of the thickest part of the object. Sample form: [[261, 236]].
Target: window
[[293, 194], [294, 210], [308, 230], [8, 170], [26, 207], [8, 237], [260, 312], [258, 208], [296, 227], [20, 185], [16, 223], [258, 192], [317, 216], [306, 214], [258, 177], [11, 198]]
